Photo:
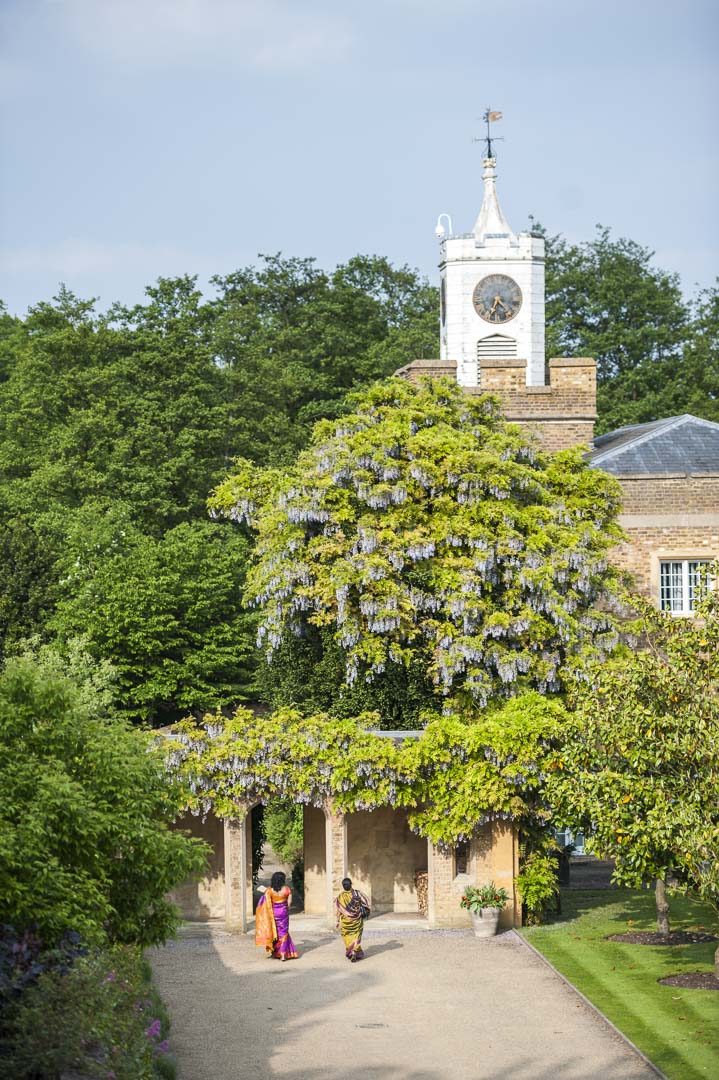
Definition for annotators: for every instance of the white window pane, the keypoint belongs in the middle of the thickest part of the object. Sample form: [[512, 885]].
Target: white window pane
[[697, 579], [670, 587]]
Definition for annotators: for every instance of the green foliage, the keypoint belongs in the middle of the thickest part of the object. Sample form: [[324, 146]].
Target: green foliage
[[309, 670], [95, 680], [605, 299], [85, 842], [167, 614], [657, 354], [92, 1019], [422, 529], [638, 769], [477, 898], [257, 827], [294, 340], [28, 579], [683, 383], [456, 777], [537, 884], [284, 831], [132, 416]]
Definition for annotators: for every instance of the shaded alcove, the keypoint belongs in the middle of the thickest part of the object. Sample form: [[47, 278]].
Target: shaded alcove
[[204, 899], [383, 858], [315, 856]]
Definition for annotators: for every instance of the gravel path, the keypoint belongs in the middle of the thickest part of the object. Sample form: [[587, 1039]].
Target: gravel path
[[422, 1006]]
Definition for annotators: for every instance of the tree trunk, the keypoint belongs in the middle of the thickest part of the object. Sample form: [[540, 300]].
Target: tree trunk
[[662, 907]]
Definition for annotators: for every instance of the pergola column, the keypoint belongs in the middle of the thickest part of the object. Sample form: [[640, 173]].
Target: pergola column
[[335, 853], [238, 870]]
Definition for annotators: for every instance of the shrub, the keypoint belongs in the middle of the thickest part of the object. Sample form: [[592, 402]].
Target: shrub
[[538, 885], [284, 830], [85, 843], [100, 1016]]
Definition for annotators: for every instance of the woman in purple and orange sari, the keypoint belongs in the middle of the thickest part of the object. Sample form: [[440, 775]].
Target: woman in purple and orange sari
[[272, 920], [352, 909]]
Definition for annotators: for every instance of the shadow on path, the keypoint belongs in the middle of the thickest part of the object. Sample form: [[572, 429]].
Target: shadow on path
[[428, 1007]]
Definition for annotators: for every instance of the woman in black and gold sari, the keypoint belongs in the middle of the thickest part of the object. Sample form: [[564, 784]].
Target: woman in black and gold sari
[[352, 908]]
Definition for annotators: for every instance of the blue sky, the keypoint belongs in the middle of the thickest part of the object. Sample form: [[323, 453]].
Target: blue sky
[[159, 137]]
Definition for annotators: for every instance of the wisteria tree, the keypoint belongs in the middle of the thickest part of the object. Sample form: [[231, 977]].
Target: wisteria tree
[[422, 530]]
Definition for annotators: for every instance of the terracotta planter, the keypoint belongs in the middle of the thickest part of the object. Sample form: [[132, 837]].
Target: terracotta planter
[[486, 921]]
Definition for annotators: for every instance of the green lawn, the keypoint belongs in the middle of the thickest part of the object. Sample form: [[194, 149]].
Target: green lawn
[[677, 1029]]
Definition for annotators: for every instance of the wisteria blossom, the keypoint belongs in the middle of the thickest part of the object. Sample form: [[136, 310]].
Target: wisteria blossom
[[425, 525]]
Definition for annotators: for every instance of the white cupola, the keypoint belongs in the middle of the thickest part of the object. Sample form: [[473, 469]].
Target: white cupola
[[492, 293]]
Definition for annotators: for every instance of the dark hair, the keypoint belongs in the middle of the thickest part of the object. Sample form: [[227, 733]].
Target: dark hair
[[346, 883], [278, 880]]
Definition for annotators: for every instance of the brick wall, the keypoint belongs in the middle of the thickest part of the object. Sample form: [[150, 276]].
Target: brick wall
[[673, 516], [561, 414], [493, 857], [671, 494], [647, 547]]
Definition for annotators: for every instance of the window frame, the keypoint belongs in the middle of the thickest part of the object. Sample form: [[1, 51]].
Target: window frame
[[684, 558]]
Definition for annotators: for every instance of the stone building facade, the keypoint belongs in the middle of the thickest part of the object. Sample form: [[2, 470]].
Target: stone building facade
[[376, 849]]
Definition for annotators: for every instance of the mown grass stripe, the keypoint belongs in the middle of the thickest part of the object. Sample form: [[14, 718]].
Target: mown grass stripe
[[678, 1030]]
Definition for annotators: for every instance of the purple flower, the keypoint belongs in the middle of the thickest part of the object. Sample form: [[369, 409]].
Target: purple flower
[[162, 1048], [153, 1031]]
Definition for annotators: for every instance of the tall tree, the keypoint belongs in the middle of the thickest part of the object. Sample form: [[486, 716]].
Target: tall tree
[[424, 533], [639, 767], [167, 613], [656, 352], [606, 299], [145, 407]]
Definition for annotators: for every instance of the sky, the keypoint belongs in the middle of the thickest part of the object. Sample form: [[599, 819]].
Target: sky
[[147, 138]]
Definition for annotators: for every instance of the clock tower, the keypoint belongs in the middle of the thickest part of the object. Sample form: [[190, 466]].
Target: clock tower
[[492, 294]]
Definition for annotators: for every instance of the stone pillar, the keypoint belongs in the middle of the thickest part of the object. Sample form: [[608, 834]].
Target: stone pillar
[[336, 855], [238, 871], [504, 867]]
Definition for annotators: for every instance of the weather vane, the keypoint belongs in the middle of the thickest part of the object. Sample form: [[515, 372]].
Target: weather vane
[[489, 118]]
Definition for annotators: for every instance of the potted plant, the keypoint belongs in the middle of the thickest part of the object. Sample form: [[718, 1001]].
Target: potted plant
[[484, 903]]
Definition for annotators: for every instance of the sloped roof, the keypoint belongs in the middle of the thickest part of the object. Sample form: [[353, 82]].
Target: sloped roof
[[679, 444]]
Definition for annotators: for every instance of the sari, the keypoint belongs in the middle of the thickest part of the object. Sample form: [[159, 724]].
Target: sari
[[352, 909], [272, 925]]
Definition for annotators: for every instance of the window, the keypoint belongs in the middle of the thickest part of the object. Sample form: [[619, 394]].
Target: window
[[680, 582], [461, 858]]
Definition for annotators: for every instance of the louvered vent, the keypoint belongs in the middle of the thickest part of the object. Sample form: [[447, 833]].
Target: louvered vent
[[496, 347]]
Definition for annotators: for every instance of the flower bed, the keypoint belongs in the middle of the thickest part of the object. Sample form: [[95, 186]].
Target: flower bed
[[92, 1013]]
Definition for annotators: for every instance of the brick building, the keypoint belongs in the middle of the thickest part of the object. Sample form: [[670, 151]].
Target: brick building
[[669, 472], [492, 340]]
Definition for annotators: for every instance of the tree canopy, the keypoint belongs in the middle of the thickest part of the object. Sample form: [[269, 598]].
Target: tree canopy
[[656, 351], [638, 769], [422, 527], [136, 413], [114, 427]]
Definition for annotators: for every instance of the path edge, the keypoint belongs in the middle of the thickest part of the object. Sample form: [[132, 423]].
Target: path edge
[[592, 1006]]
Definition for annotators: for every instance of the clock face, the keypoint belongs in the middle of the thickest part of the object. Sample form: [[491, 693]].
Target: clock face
[[497, 298]]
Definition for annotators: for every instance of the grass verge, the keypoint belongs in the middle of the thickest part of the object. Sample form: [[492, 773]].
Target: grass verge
[[677, 1029]]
